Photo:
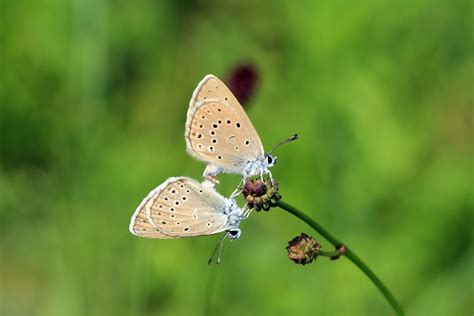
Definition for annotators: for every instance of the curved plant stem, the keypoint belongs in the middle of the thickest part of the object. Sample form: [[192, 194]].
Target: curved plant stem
[[345, 251], [329, 254]]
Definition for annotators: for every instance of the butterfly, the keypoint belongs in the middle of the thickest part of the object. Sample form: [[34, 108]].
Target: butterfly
[[219, 132], [183, 207]]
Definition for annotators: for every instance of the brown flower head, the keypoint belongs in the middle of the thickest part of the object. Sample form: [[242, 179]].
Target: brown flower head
[[243, 81], [261, 194], [303, 249]]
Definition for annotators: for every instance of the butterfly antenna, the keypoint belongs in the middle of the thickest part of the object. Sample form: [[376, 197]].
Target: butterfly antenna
[[219, 243], [289, 139], [220, 249]]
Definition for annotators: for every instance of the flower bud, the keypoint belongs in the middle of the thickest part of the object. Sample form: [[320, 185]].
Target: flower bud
[[261, 194], [303, 249]]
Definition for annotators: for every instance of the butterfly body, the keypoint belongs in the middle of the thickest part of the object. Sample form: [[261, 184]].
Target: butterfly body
[[234, 214], [219, 133], [258, 166], [183, 207], [248, 169]]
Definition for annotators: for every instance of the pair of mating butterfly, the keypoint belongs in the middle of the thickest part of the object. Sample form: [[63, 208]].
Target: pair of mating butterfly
[[218, 132]]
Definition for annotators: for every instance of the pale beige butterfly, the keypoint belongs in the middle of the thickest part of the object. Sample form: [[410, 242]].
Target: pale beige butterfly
[[219, 132], [183, 207]]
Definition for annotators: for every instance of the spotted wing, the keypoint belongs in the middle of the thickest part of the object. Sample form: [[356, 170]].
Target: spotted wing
[[218, 131], [140, 225], [183, 207]]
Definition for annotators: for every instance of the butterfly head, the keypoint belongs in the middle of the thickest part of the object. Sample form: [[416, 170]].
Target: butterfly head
[[269, 160], [234, 233]]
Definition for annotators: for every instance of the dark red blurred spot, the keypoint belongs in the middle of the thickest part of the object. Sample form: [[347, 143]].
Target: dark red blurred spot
[[243, 81]]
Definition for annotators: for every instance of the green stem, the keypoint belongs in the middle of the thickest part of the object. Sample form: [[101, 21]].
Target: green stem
[[346, 252], [329, 254]]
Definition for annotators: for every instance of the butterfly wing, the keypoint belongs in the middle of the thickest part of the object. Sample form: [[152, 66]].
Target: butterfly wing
[[140, 225], [218, 131], [183, 207]]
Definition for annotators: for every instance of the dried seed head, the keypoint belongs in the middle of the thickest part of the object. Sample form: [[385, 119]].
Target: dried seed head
[[261, 194], [303, 249]]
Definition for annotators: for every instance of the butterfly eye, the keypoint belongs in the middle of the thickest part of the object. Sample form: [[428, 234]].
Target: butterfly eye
[[269, 159], [234, 233]]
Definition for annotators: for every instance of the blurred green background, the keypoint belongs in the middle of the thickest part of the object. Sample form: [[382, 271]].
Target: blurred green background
[[93, 100]]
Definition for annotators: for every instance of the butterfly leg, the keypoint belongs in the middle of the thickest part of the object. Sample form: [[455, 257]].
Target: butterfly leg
[[244, 211], [238, 189], [236, 192], [271, 176]]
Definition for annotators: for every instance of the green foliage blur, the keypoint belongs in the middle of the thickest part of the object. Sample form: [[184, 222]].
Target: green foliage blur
[[93, 101]]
